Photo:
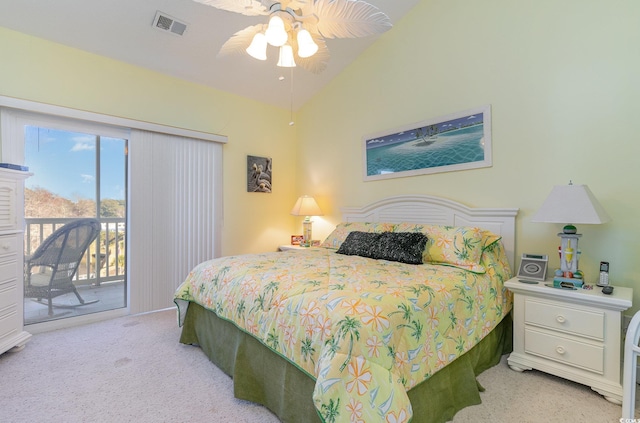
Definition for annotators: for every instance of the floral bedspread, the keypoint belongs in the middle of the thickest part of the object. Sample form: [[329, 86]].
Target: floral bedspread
[[366, 330]]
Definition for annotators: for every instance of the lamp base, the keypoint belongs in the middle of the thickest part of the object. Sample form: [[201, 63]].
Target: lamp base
[[569, 252], [306, 232], [569, 283]]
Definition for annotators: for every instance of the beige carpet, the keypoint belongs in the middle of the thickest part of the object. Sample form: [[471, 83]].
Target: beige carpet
[[133, 369]]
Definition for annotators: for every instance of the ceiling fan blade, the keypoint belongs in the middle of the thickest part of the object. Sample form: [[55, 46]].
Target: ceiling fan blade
[[245, 7], [316, 63], [349, 19], [239, 41], [293, 4]]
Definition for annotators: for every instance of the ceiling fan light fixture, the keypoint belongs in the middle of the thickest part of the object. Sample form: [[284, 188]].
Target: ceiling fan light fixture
[[306, 46], [276, 34], [258, 47], [286, 57], [285, 21]]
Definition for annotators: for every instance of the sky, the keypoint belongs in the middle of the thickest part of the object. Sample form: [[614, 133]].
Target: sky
[[64, 163]]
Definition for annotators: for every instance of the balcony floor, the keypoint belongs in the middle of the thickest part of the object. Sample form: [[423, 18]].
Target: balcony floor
[[110, 296]]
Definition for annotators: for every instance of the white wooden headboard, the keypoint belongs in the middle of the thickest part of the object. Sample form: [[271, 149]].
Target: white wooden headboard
[[432, 210]]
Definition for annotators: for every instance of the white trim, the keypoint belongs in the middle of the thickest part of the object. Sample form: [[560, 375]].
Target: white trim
[[32, 106]]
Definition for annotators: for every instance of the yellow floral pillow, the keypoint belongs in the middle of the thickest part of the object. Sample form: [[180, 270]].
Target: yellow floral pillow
[[489, 239], [494, 257], [339, 234], [458, 246]]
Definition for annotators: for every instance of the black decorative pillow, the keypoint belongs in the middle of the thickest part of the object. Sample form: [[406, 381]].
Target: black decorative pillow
[[359, 244], [405, 247]]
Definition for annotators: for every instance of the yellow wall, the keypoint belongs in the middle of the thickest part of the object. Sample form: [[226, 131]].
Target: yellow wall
[[41, 71], [563, 82]]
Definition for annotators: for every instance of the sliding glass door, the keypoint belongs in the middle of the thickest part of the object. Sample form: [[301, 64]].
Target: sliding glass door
[[78, 173], [156, 192]]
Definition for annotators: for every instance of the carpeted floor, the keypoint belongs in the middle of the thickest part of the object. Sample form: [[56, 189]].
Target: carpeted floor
[[133, 369]]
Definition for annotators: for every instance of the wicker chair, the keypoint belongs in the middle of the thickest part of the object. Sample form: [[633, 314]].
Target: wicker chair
[[57, 260]]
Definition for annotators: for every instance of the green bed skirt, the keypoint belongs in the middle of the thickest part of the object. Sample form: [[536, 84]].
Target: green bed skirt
[[261, 376]]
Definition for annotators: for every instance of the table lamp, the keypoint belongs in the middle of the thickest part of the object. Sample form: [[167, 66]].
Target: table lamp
[[570, 205], [306, 206]]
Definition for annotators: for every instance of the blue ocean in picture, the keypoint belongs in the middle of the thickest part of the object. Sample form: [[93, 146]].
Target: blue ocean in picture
[[423, 150]]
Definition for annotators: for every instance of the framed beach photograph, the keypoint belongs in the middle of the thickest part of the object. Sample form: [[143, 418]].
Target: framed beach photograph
[[458, 141]]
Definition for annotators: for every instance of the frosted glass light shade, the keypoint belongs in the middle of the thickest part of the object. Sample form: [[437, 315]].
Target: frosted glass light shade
[[275, 33], [306, 46], [571, 204], [286, 57], [258, 47], [306, 206]]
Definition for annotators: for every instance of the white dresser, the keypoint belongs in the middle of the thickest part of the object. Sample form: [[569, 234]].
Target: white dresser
[[12, 334], [574, 334]]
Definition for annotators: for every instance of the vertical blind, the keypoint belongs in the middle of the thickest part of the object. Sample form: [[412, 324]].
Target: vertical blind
[[175, 213]]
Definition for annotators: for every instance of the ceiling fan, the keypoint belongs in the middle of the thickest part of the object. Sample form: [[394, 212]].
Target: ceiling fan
[[298, 28]]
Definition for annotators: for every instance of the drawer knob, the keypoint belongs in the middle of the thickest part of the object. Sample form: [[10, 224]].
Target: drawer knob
[[5, 247], [560, 350], [560, 318]]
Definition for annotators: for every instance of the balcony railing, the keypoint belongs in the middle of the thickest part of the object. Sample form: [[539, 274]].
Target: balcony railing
[[104, 260]]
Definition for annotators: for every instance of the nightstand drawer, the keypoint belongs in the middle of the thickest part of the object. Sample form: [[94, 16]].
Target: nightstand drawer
[[8, 246], [574, 321], [557, 348]]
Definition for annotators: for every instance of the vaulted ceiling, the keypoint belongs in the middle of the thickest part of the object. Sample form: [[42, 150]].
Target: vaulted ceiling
[[124, 30]]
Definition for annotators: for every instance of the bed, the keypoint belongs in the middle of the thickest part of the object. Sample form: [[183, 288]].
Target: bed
[[390, 319]]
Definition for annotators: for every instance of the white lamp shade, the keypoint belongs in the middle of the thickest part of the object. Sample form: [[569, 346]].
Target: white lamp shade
[[574, 204], [276, 34], [258, 47], [286, 57], [306, 206], [306, 46]]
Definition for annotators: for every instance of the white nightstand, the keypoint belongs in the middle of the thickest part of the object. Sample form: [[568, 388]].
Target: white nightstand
[[574, 334]]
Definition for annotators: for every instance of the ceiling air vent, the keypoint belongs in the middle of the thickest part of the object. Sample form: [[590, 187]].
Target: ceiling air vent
[[167, 23]]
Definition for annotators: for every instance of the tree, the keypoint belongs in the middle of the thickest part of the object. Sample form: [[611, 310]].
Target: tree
[[84, 207], [112, 208], [42, 203]]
